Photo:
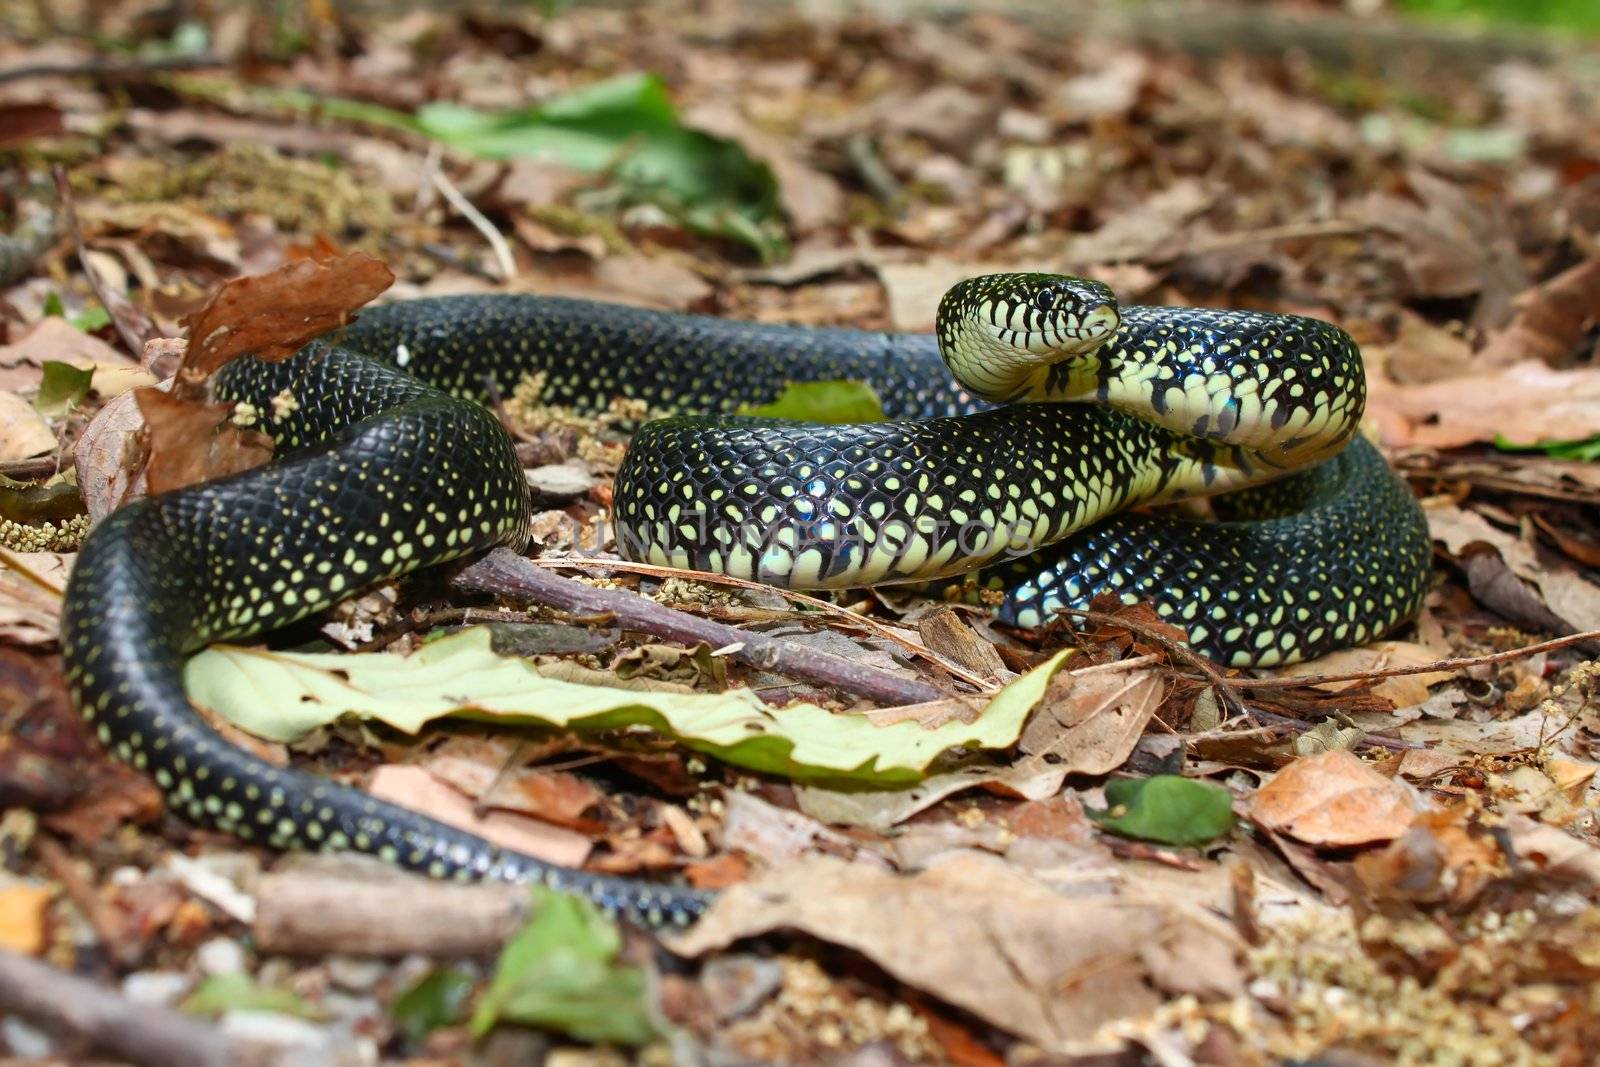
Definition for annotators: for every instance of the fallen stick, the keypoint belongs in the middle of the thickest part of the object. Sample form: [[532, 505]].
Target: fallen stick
[[109, 1024], [504, 573], [314, 908]]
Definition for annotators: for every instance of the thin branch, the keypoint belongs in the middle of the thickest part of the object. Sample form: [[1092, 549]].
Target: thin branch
[[458, 200], [110, 68], [90, 1013], [1437, 666], [793, 596], [504, 573], [133, 325]]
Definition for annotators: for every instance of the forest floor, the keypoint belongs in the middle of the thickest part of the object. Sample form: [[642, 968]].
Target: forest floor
[[1121, 855]]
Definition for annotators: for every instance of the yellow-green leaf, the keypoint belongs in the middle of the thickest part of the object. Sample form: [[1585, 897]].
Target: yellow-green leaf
[[832, 402], [282, 695]]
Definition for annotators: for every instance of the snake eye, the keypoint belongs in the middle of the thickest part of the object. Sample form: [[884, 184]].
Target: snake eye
[[1045, 299]]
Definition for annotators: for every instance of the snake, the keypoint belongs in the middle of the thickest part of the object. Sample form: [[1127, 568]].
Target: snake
[[1068, 419]]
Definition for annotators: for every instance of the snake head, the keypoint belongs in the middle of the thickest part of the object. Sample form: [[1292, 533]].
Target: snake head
[[998, 331]]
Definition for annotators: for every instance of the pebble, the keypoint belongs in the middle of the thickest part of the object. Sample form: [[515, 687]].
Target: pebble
[[220, 955], [274, 1028], [155, 987], [356, 975], [561, 479]]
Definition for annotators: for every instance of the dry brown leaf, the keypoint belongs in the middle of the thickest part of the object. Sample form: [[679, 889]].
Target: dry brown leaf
[[648, 281], [1420, 353], [1333, 799], [1406, 691], [915, 289], [1090, 719], [1146, 230], [192, 442], [1551, 319], [31, 586], [1571, 599], [1108, 89], [272, 315], [1546, 852], [979, 935], [479, 768], [1087, 723], [1029, 778], [1451, 246], [23, 431], [1527, 403], [947, 115], [106, 455], [775, 835], [54, 338], [418, 790]]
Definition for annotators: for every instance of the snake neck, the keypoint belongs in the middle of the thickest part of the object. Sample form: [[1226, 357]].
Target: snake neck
[[1255, 395]]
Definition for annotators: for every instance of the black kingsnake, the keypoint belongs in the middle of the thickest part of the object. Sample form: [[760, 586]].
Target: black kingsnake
[[381, 474]]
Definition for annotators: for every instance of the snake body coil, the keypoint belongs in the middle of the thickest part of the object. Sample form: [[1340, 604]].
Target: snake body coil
[[387, 466]]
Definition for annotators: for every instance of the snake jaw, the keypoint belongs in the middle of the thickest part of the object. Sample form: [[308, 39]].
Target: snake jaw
[[999, 333]]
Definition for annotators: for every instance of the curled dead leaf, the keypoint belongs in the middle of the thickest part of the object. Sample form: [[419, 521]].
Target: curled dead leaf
[[191, 441], [272, 315]]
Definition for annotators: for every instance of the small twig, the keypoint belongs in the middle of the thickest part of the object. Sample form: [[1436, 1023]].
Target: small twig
[[132, 325], [793, 596], [31, 470], [1437, 666], [504, 573], [1224, 688], [110, 68], [458, 200], [91, 1013], [106, 923]]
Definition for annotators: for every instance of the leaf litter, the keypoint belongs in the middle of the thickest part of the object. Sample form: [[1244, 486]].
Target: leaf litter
[[1416, 852]]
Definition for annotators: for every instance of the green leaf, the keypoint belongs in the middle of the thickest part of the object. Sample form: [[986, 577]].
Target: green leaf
[[240, 992], [52, 304], [91, 319], [282, 696], [62, 388], [561, 973], [627, 126], [1167, 808], [1586, 450], [434, 1000], [830, 402]]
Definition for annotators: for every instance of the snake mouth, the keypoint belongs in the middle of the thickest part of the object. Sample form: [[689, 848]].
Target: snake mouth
[[1069, 336]]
